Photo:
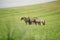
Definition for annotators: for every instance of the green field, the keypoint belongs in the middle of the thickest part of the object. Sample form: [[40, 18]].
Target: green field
[[12, 28]]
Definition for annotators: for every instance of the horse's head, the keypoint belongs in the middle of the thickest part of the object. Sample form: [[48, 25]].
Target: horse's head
[[22, 18]]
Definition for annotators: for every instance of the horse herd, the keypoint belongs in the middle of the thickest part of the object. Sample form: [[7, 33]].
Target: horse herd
[[34, 20]]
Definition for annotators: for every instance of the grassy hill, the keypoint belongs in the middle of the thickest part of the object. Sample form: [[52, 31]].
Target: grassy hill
[[12, 28]]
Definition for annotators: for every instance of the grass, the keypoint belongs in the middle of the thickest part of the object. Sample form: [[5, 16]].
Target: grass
[[11, 24]]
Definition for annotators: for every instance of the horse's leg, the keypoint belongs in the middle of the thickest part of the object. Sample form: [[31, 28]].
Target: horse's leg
[[30, 23], [35, 23], [44, 23], [39, 23]]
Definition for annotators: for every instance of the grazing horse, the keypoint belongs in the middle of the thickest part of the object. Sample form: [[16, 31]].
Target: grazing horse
[[38, 21], [26, 19]]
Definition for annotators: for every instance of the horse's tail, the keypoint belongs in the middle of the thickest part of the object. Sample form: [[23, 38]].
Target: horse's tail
[[30, 21], [44, 22]]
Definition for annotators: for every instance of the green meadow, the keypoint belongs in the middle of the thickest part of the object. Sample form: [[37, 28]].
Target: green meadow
[[12, 28]]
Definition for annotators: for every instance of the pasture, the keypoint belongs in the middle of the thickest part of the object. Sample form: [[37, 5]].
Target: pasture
[[12, 28]]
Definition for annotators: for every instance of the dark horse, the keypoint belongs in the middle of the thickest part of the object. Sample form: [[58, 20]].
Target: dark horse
[[26, 19]]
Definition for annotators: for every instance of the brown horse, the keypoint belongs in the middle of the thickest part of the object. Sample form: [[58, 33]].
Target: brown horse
[[26, 19], [39, 21]]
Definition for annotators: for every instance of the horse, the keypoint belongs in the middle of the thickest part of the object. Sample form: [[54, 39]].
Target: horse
[[38, 21], [26, 19]]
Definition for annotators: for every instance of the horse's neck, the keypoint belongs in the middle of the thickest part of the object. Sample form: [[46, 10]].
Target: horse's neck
[[26, 18]]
